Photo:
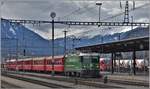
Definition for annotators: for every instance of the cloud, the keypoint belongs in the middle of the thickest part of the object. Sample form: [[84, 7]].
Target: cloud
[[70, 10]]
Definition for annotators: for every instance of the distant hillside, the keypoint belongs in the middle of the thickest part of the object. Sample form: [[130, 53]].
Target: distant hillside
[[137, 32]]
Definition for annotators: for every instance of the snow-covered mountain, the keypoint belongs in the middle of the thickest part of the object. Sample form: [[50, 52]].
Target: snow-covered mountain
[[137, 32], [16, 36]]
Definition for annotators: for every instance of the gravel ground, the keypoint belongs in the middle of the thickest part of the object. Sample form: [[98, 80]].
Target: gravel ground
[[27, 85]]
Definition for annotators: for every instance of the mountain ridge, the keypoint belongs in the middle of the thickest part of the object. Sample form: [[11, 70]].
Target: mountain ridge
[[35, 45]]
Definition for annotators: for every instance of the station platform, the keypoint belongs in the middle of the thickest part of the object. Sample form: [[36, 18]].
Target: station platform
[[140, 78]]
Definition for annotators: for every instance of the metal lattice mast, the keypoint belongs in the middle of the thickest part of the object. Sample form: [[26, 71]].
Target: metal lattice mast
[[126, 15]]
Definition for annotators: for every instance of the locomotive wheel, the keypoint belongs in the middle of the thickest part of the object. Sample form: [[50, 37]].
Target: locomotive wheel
[[78, 74], [66, 73], [75, 74], [70, 73]]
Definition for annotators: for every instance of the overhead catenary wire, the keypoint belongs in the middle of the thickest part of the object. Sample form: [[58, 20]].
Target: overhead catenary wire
[[77, 11], [119, 14], [111, 17]]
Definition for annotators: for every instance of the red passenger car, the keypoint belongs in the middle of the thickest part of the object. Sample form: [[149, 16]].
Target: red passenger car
[[27, 64], [19, 65], [37, 64], [58, 63], [11, 64]]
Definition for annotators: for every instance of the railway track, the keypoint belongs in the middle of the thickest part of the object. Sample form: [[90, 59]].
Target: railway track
[[76, 81], [36, 81], [5, 84], [80, 80]]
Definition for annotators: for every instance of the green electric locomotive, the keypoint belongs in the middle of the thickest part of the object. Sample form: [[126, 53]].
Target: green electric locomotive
[[82, 65]]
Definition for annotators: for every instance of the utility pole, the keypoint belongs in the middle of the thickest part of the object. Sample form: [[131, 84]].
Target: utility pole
[[17, 45], [99, 5], [24, 42], [120, 55], [17, 55], [65, 33], [53, 14], [126, 15], [102, 39], [73, 44], [131, 70]]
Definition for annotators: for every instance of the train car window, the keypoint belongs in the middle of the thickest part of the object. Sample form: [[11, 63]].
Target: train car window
[[81, 59], [39, 62], [49, 62], [35, 62], [26, 62], [45, 61]]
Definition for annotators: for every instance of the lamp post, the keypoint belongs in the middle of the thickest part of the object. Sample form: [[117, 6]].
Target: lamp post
[[99, 5], [53, 15]]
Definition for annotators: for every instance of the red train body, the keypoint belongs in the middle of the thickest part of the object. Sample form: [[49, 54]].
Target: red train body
[[37, 64]]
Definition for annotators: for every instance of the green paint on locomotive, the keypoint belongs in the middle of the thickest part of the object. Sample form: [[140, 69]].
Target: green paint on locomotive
[[90, 62], [83, 64], [72, 63]]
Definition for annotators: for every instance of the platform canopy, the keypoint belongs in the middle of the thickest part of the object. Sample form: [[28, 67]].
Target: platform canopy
[[126, 45]]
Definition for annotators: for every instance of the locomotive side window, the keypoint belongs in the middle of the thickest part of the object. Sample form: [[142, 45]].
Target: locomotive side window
[[81, 59], [86, 59], [95, 59]]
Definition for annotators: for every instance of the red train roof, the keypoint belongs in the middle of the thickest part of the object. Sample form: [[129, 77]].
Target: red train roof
[[36, 58]]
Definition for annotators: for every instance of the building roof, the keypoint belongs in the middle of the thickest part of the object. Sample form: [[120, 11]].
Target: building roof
[[127, 45]]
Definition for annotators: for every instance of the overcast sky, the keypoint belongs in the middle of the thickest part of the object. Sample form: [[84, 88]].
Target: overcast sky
[[74, 10]]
